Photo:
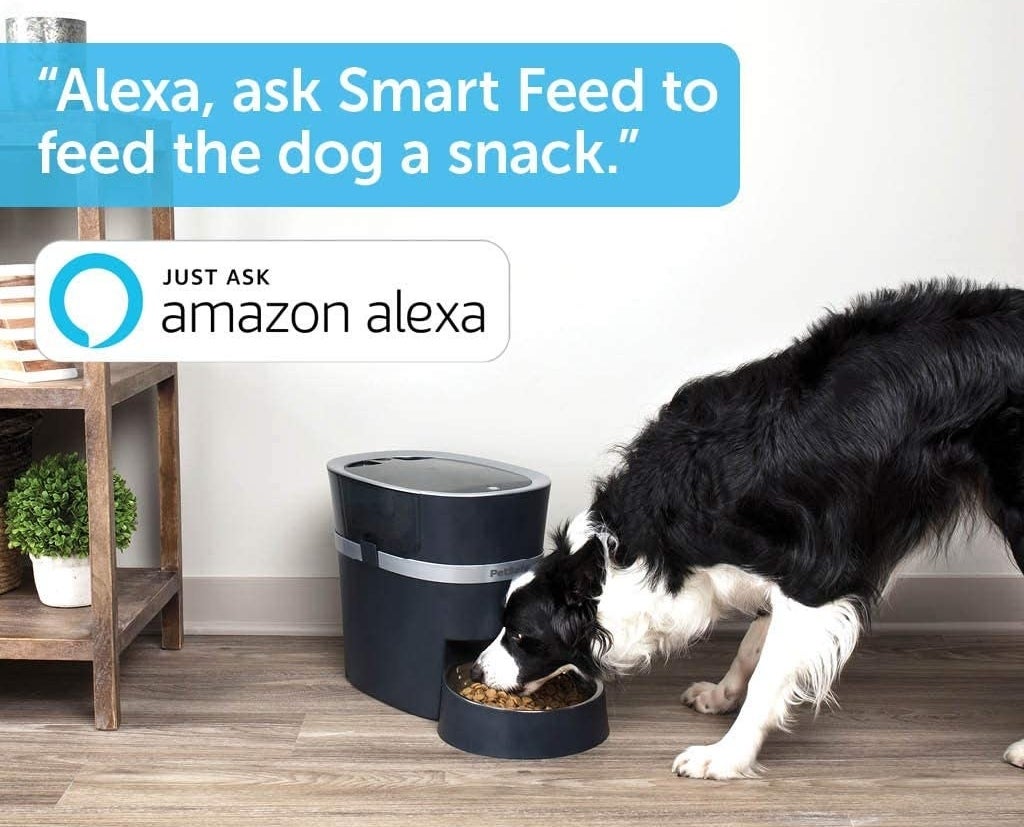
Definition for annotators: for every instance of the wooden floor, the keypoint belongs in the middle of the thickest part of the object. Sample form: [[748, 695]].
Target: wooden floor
[[245, 731]]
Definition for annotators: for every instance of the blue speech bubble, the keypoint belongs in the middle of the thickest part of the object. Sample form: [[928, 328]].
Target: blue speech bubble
[[67, 274], [457, 125]]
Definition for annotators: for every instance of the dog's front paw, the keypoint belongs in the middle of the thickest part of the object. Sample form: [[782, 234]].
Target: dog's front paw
[[1015, 754], [709, 698], [716, 761]]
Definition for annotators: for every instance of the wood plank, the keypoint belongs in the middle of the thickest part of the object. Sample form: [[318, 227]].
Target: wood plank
[[31, 631], [57, 395], [35, 781], [58, 644], [163, 223], [267, 730], [148, 731], [15, 345], [92, 224], [383, 816], [172, 624], [579, 790], [129, 379], [17, 281], [172, 616], [17, 324], [32, 365], [126, 380], [106, 644], [158, 593]]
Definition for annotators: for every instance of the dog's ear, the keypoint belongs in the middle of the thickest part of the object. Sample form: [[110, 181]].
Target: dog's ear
[[560, 545], [580, 575]]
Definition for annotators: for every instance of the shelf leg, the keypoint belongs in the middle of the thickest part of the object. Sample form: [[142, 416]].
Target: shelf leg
[[92, 223], [172, 630], [163, 223], [171, 618], [102, 547]]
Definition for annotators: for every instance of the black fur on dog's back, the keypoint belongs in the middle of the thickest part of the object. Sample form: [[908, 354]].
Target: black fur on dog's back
[[822, 466]]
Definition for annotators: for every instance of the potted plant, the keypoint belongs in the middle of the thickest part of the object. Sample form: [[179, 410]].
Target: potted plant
[[48, 519]]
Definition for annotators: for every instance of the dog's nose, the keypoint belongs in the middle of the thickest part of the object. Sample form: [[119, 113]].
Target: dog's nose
[[476, 672]]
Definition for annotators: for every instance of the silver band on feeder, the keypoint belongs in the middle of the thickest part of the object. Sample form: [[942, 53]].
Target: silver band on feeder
[[462, 575]]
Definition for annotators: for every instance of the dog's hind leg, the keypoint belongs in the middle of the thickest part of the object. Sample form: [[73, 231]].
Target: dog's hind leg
[[1001, 445], [728, 693], [1010, 520], [804, 651]]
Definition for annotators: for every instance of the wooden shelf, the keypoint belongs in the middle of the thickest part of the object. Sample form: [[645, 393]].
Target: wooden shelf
[[123, 600], [31, 631], [126, 380]]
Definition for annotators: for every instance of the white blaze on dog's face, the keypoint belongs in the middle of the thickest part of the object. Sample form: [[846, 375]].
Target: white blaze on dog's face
[[550, 623], [496, 667]]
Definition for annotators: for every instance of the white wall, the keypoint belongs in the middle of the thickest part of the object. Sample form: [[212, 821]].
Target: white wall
[[881, 142]]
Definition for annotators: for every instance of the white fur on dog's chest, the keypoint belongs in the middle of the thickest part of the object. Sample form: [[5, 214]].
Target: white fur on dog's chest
[[645, 620]]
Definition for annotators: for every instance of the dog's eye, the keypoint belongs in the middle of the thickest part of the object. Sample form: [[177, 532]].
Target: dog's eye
[[524, 642]]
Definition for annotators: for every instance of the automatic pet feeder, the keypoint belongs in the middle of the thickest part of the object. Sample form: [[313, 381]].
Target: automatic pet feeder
[[427, 544]]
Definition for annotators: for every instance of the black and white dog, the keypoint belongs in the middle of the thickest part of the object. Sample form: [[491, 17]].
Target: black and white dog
[[787, 490]]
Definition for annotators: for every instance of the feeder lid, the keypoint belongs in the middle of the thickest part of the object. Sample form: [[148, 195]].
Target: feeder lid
[[437, 473]]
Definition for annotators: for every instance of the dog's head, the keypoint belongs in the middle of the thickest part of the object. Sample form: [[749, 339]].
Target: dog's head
[[550, 620]]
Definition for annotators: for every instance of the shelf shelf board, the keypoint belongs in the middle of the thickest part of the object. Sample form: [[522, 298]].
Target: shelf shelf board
[[126, 380], [31, 631]]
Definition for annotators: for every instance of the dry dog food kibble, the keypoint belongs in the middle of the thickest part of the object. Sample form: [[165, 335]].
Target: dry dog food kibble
[[556, 693]]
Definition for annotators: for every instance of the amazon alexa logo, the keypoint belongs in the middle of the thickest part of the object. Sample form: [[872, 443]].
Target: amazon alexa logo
[[74, 268]]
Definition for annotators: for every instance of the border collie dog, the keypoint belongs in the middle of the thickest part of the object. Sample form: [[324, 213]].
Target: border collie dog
[[787, 491]]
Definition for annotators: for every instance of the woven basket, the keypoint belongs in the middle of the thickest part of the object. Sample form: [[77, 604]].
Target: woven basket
[[11, 562], [15, 456]]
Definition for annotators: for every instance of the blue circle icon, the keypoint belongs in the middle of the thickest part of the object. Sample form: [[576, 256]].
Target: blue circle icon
[[95, 261]]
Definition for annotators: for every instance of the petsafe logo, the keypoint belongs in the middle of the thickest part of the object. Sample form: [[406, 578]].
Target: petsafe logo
[[76, 267]]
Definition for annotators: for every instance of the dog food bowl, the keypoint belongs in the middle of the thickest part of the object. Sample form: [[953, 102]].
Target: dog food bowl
[[519, 733]]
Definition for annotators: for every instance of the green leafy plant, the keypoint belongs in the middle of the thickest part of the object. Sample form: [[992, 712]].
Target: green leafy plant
[[48, 510]]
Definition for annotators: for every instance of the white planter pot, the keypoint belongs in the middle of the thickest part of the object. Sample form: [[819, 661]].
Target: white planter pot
[[63, 582]]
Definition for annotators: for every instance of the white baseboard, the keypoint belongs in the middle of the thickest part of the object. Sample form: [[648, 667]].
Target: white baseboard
[[286, 606], [311, 606], [952, 601]]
